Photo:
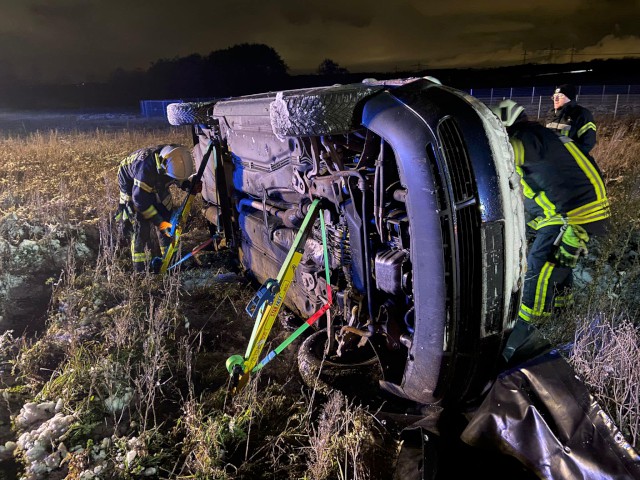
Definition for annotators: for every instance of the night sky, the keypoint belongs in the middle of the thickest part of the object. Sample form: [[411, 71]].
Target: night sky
[[86, 40]]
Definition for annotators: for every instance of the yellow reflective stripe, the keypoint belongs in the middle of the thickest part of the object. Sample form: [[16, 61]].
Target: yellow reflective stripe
[[124, 197], [168, 202], [524, 316], [540, 222], [143, 185], [528, 316], [547, 205], [525, 313], [596, 208], [149, 212], [589, 170], [563, 301], [138, 257], [518, 151], [586, 127], [541, 288], [518, 156], [128, 160], [160, 164], [526, 189], [594, 217]]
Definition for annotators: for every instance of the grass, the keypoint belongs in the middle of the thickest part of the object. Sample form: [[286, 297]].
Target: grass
[[139, 361]]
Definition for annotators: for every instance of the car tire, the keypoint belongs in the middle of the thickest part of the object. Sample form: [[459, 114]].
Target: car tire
[[315, 112], [356, 374], [190, 113]]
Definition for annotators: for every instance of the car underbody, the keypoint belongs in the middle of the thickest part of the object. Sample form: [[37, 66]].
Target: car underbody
[[424, 221]]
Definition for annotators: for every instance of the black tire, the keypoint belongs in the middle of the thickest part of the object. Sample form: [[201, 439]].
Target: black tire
[[356, 374], [317, 112], [190, 113]]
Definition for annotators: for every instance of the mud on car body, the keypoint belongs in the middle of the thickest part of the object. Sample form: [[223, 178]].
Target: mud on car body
[[423, 214]]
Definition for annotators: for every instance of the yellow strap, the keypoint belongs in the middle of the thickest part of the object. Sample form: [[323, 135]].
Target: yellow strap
[[267, 316], [270, 313], [173, 247]]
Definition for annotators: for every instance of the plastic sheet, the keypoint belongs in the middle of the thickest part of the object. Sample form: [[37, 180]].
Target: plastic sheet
[[543, 415]]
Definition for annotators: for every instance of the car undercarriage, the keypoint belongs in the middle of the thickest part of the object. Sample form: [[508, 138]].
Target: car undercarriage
[[423, 221]]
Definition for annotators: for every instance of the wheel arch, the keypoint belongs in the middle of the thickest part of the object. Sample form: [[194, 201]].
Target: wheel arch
[[409, 136]]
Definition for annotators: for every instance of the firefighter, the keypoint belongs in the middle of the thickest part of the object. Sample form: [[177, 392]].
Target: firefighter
[[572, 120], [144, 178], [566, 199]]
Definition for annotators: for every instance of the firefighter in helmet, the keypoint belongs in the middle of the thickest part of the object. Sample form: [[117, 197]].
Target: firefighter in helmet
[[144, 178], [566, 199]]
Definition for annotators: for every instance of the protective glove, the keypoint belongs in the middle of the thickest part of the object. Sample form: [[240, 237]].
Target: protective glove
[[165, 228], [571, 244], [118, 215], [124, 213]]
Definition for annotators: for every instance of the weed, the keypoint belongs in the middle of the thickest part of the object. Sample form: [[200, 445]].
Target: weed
[[138, 361]]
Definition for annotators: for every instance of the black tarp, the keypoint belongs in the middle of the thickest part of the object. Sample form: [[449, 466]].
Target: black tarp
[[542, 414]]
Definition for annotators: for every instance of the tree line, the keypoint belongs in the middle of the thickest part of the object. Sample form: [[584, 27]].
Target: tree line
[[237, 70], [253, 68]]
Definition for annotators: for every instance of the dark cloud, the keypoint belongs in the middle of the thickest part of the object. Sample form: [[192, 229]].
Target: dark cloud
[[80, 39], [359, 13], [61, 14]]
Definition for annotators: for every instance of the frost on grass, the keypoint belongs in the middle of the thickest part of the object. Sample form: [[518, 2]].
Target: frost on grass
[[40, 446], [30, 251]]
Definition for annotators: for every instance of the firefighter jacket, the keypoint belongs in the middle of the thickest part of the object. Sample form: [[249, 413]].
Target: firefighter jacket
[[577, 123], [561, 184], [142, 182]]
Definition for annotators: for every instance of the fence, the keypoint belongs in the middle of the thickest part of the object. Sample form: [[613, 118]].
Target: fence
[[616, 100], [155, 108]]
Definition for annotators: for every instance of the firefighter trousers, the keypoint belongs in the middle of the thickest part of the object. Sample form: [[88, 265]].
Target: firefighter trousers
[[547, 285], [142, 246]]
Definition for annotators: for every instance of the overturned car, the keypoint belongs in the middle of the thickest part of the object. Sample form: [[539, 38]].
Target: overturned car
[[423, 213]]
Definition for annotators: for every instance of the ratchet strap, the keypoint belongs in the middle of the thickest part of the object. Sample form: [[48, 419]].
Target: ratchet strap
[[179, 219], [264, 307]]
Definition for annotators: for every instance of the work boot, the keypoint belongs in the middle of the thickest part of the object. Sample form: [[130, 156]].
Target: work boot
[[524, 343], [155, 265]]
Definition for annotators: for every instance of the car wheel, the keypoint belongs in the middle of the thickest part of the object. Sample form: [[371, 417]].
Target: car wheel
[[355, 372], [189, 113]]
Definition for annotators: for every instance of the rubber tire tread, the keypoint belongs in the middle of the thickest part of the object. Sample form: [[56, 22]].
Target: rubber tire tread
[[193, 113], [314, 114]]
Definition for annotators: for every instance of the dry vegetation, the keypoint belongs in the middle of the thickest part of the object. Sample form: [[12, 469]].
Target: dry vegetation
[[106, 375]]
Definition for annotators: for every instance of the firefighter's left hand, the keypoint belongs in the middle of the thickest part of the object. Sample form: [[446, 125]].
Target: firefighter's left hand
[[573, 244]]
